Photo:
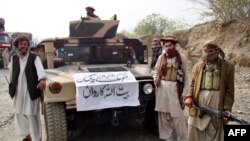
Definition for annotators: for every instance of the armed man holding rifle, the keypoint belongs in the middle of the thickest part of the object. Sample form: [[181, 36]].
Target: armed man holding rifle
[[90, 15], [212, 85]]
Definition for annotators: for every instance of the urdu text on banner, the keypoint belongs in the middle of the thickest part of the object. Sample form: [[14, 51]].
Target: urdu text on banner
[[102, 90]]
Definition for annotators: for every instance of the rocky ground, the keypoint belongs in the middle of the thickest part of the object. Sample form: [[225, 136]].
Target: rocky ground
[[241, 106]]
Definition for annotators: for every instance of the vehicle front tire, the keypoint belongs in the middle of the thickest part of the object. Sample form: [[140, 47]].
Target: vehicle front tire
[[151, 118], [55, 122]]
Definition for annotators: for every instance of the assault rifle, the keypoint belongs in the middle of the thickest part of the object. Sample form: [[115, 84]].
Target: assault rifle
[[213, 112], [80, 22]]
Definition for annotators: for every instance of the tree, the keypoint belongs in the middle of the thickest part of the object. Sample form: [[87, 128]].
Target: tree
[[225, 10], [127, 34], [157, 24]]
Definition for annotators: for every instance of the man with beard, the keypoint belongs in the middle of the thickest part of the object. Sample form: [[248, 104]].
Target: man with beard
[[90, 14], [212, 85], [156, 51], [27, 81], [171, 79]]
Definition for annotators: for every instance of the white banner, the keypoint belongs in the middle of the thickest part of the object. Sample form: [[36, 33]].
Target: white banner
[[105, 90]]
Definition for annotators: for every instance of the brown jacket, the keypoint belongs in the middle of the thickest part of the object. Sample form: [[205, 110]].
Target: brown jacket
[[226, 84]]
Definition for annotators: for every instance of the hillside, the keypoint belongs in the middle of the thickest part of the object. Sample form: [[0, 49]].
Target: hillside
[[233, 37]]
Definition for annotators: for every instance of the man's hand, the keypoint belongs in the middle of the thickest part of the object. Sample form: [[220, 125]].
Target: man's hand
[[189, 102], [157, 82], [41, 85], [229, 114]]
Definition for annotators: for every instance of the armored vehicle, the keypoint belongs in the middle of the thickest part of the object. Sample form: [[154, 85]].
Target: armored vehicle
[[94, 76]]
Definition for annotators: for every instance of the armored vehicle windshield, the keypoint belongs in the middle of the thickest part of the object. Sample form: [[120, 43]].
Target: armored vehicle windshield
[[94, 51]]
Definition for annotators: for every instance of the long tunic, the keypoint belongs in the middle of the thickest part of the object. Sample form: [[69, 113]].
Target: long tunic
[[208, 98], [167, 100], [223, 99], [22, 102]]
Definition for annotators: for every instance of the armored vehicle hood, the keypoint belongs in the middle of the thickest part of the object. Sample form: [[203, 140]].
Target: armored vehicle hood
[[64, 75], [138, 70]]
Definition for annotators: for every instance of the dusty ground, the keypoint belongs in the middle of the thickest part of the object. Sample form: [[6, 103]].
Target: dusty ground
[[241, 108]]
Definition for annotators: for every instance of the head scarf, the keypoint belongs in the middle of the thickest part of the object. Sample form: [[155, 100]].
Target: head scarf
[[170, 54], [211, 52], [90, 8]]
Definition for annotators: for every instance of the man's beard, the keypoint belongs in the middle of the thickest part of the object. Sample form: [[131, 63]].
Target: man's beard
[[89, 14], [171, 52], [23, 51]]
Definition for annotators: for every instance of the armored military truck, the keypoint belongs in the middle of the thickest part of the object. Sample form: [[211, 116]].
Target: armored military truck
[[94, 76]]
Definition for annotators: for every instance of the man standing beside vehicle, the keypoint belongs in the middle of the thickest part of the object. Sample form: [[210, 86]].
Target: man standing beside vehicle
[[27, 81], [212, 85], [171, 79], [156, 51]]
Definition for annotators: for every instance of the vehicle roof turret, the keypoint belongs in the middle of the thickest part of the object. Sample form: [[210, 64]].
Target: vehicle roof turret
[[93, 28]]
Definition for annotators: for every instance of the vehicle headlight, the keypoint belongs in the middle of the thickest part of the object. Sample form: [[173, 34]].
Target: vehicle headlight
[[55, 87], [148, 88]]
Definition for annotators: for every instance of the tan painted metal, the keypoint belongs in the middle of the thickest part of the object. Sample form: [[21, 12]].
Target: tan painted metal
[[49, 51], [68, 87], [94, 28]]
